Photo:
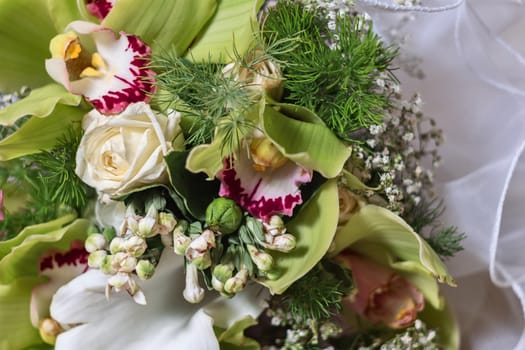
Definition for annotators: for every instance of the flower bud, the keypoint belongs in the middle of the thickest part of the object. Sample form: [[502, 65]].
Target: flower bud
[[193, 292], [275, 226], [117, 244], [236, 283], [147, 227], [49, 330], [107, 266], [263, 260], [220, 274], [202, 261], [283, 243], [180, 243], [96, 259], [94, 242], [135, 246], [123, 262], [145, 269], [167, 221], [223, 215], [119, 280]]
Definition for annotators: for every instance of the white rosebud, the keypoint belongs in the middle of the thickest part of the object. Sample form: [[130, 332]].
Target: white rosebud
[[94, 242], [193, 293]]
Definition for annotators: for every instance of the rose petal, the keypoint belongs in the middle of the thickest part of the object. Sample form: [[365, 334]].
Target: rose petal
[[263, 194]]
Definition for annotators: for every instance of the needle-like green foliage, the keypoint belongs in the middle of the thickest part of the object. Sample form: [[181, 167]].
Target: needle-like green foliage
[[332, 72]]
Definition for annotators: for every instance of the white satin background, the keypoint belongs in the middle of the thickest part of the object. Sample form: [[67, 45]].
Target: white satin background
[[475, 89]]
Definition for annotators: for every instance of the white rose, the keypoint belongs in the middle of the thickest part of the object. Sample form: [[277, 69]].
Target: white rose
[[125, 151]]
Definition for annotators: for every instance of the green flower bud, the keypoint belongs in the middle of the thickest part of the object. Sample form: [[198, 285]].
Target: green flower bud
[[145, 269], [263, 260], [106, 266], [135, 246], [118, 244], [237, 283], [167, 222], [95, 242], [180, 243], [223, 215], [124, 262], [221, 273], [96, 259], [147, 227], [202, 262], [283, 243]]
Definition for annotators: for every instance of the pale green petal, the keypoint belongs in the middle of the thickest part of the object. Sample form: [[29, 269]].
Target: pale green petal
[[162, 24], [39, 134], [16, 331], [41, 102], [300, 136], [23, 259], [445, 324], [66, 11], [233, 338], [7, 246], [314, 228], [352, 182], [206, 158], [373, 226], [24, 41], [231, 30]]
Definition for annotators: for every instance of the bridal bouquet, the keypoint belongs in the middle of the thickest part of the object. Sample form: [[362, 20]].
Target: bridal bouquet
[[214, 174]]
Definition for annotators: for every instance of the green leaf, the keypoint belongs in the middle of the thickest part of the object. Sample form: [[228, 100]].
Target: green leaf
[[233, 338], [232, 29], [23, 259], [40, 103], [162, 24], [39, 134], [26, 31], [314, 228], [16, 331], [196, 192], [372, 229], [302, 137]]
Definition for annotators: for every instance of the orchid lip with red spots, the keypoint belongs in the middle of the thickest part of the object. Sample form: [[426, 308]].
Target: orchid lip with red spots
[[60, 268], [112, 77], [263, 193]]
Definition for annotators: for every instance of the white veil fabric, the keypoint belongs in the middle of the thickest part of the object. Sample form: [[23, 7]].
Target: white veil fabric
[[472, 55]]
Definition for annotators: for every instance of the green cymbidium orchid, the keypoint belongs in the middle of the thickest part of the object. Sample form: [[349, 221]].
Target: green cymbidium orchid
[[20, 274]]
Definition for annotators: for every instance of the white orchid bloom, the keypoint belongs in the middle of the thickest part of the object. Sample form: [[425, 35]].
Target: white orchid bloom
[[166, 322]]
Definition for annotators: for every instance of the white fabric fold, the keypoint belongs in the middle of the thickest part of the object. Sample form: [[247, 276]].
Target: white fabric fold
[[475, 88]]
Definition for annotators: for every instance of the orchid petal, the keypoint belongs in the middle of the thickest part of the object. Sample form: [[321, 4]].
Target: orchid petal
[[40, 103], [372, 226], [163, 24], [122, 78], [302, 137], [314, 228], [65, 12], [19, 273], [16, 331], [233, 338], [231, 30], [444, 321], [23, 257], [167, 321], [28, 28], [263, 193], [43, 133]]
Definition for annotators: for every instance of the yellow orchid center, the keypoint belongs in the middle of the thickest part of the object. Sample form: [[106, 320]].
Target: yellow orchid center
[[266, 155], [66, 46]]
